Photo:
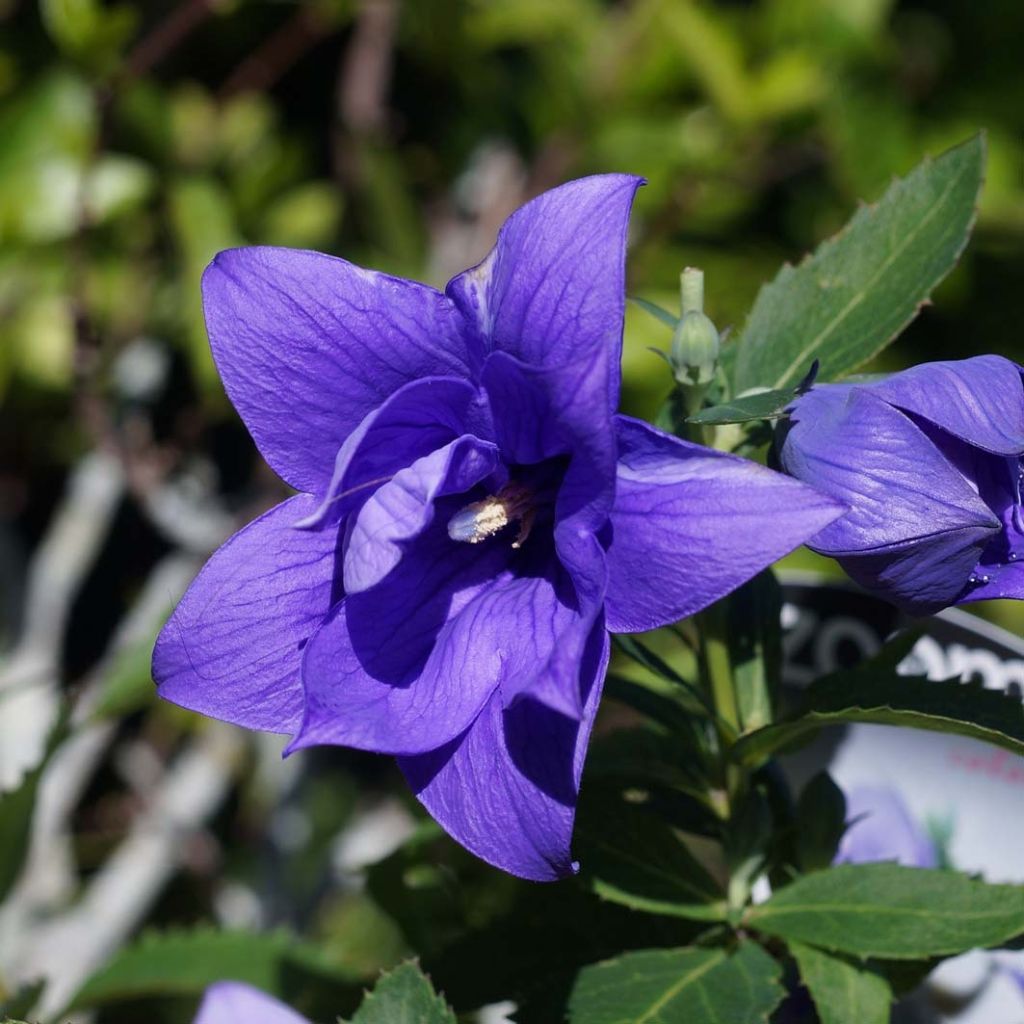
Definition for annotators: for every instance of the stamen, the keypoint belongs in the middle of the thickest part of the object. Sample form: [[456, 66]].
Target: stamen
[[477, 522], [525, 526], [482, 519]]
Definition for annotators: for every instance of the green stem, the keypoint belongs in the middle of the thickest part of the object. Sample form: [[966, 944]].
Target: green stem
[[720, 672], [718, 667], [718, 679]]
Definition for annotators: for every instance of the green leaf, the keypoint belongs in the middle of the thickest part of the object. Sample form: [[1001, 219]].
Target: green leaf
[[843, 992], [532, 952], [16, 811], [764, 405], [886, 910], [752, 615], [885, 698], [820, 822], [643, 655], [859, 289], [688, 694], [678, 986], [898, 647], [404, 996], [185, 962], [629, 855], [670, 320], [903, 976]]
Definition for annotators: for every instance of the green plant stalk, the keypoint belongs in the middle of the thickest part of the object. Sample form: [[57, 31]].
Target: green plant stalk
[[718, 667]]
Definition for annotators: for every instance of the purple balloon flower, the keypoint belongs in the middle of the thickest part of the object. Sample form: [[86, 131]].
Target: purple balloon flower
[[929, 461], [880, 828], [475, 518], [232, 1002]]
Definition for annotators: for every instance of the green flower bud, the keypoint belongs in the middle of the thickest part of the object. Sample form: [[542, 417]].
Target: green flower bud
[[695, 342]]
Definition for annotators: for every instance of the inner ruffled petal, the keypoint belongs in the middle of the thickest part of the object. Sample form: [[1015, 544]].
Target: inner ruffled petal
[[997, 481], [383, 673], [542, 413], [400, 509], [416, 420]]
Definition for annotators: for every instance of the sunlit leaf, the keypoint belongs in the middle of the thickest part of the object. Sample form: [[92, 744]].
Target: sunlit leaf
[[887, 910], [885, 698], [678, 986], [859, 289], [844, 992], [404, 996]]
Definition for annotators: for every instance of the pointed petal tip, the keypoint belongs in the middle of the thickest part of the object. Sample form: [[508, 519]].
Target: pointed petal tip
[[231, 648], [307, 344], [690, 524]]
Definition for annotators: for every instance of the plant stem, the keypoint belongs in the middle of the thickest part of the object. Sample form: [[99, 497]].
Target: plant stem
[[718, 679], [718, 666]]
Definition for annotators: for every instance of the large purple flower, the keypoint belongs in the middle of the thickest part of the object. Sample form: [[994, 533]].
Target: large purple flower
[[474, 518], [929, 461]]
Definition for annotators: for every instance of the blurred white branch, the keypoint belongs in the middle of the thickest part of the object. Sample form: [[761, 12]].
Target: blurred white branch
[[70, 948], [28, 680], [40, 935]]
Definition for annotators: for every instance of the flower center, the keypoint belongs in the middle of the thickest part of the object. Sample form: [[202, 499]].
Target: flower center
[[482, 519]]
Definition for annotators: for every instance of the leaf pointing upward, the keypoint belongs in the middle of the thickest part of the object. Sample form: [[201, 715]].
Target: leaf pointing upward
[[859, 289]]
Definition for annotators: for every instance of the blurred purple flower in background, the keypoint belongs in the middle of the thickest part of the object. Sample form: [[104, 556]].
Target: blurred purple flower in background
[[232, 1002], [475, 518], [881, 828], [929, 461]]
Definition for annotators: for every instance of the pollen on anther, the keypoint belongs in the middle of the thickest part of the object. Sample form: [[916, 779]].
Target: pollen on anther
[[477, 522]]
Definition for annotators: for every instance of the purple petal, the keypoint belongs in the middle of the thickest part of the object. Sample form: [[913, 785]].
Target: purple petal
[[691, 524], [232, 1002], [1005, 582], [920, 576], [307, 345], [916, 527], [539, 637], [416, 420], [507, 788], [881, 828], [541, 413], [997, 478], [407, 665], [849, 443], [402, 508], [552, 291], [980, 400], [233, 647]]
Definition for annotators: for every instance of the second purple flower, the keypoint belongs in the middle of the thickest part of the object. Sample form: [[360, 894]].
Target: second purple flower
[[929, 462]]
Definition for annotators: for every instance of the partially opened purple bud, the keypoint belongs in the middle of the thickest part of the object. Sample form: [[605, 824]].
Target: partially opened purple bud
[[929, 462], [881, 828], [232, 1002], [475, 518]]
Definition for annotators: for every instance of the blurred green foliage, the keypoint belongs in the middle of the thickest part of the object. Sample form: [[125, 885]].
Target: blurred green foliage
[[140, 138]]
